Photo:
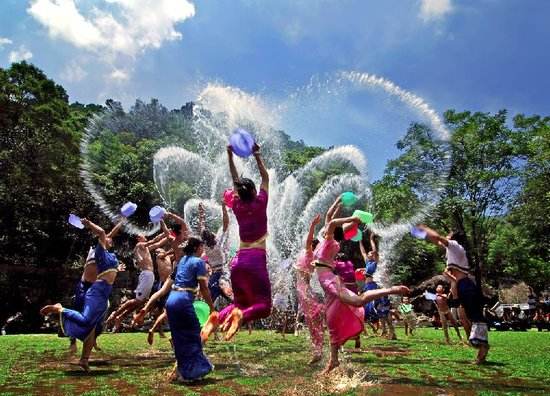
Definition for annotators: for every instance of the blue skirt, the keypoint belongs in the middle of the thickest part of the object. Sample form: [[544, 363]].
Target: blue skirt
[[185, 330], [96, 302]]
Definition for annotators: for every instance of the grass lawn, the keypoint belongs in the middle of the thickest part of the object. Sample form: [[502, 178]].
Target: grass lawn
[[266, 364]]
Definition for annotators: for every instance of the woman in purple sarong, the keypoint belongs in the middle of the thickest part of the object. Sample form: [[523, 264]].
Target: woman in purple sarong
[[249, 276]]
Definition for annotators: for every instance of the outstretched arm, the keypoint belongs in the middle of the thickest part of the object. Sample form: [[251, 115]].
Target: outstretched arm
[[338, 222], [433, 236], [309, 241], [165, 229], [138, 318], [232, 167], [261, 167]]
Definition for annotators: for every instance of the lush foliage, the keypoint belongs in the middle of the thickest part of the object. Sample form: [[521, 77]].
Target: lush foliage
[[497, 189]]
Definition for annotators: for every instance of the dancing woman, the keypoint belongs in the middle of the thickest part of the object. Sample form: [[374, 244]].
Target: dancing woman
[[82, 325], [190, 272], [312, 308], [344, 309], [249, 276]]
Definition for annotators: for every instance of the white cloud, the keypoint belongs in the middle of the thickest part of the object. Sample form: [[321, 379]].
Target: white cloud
[[73, 72], [4, 41], [20, 54], [125, 27], [434, 9], [119, 75]]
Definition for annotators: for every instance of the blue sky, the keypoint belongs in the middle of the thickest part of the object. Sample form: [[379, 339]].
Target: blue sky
[[469, 55]]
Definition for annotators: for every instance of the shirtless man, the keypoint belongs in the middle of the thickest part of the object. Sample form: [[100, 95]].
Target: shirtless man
[[144, 261], [165, 267], [445, 313]]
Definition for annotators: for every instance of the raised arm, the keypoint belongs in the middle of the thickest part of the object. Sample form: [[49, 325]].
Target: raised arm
[[180, 221], [232, 167], [373, 247], [96, 230], [116, 228], [225, 217], [261, 167], [202, 218], [433, 236], [165, 229], [309, 241], [336, 205], [363, 250], [156, 239]]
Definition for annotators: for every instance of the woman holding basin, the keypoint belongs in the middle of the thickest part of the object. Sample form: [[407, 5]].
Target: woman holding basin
[[249, 275], [82, 325]]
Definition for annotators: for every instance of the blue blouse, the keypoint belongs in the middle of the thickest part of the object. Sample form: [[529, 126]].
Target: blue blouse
[[188, 272], [105, 260]]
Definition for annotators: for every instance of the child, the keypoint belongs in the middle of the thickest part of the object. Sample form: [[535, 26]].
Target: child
[[408, 315], [444, 313]]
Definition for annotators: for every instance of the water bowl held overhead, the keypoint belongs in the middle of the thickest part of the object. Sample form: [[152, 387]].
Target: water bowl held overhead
[[75, 221], [156, 214], [242, 143], [128, 209]]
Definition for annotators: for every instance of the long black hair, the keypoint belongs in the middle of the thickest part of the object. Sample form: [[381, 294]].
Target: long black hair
[[190, 246], [246, 189], [460, 237], [338, 234], [209, 238]]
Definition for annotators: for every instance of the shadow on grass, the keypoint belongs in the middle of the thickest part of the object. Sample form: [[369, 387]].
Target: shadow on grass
[[91, 373]]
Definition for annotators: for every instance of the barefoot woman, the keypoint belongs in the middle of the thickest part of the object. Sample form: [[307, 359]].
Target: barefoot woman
[[82, 325], [249, 276]]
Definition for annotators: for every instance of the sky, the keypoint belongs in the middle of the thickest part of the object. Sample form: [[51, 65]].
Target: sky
[[478, 55]]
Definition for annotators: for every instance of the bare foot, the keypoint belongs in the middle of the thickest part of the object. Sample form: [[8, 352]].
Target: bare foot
[[330, 366], [83, 363], [50, 309], [210, 326], [236, 319], [150, 337], [173, 375], [116, 326], [315, 359]]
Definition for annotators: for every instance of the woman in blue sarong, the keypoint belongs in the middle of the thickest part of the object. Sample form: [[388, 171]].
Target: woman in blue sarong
[[83, 324], [189, 275]]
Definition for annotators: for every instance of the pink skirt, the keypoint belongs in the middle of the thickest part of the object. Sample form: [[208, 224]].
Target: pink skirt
[[343, 321]]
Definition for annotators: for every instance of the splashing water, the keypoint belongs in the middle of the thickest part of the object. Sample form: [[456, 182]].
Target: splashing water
[[184, 178]]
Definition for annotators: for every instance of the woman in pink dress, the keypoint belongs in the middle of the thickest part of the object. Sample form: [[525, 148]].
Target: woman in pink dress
[[344, 309], [249, 276], [309, 304]]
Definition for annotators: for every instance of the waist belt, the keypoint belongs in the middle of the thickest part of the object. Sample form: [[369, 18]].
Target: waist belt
[[259, 243], [320, 264], [182, 289]]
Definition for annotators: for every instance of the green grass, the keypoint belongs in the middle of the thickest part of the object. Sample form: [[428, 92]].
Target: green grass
[[266, 364]]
